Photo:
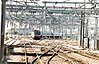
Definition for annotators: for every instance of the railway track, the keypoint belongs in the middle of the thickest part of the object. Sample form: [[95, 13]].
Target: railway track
[[12, 41], [77, 52], [55, 50], [83, 53], [58, 52]]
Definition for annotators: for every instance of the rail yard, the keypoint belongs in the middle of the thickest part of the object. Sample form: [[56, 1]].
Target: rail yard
[[27, 50], [49, 32]]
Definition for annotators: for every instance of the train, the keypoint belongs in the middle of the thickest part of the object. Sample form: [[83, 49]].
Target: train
[[37, 35]]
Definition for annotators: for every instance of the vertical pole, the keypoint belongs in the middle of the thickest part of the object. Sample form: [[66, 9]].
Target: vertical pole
[[45, 13], [86, 34], [66, 32], [53, 30], [44, 16], [70, 26], [83, 23], [96, 26], [2, 30], [0, 37], [82, 31], [95, 33]]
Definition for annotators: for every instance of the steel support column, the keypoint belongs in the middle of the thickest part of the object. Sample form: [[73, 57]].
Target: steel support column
[[44, 16], [95, 33], [86, 33], [82, 30], [70, 17], [66, 32], [2, 30]]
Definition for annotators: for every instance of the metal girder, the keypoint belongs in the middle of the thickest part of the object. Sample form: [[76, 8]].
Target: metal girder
[[30, 19], [51, 11], [41, 7], [2, 31], [69, 2], [22, 6]]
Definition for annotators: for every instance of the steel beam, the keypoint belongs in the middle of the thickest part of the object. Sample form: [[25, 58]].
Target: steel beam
[[0, 36], [86, 33], [95, 33], [82, 30], [2, 31], [65, 2], [41, 7]]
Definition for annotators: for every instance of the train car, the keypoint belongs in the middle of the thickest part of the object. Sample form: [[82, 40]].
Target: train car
[[36, 35]]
